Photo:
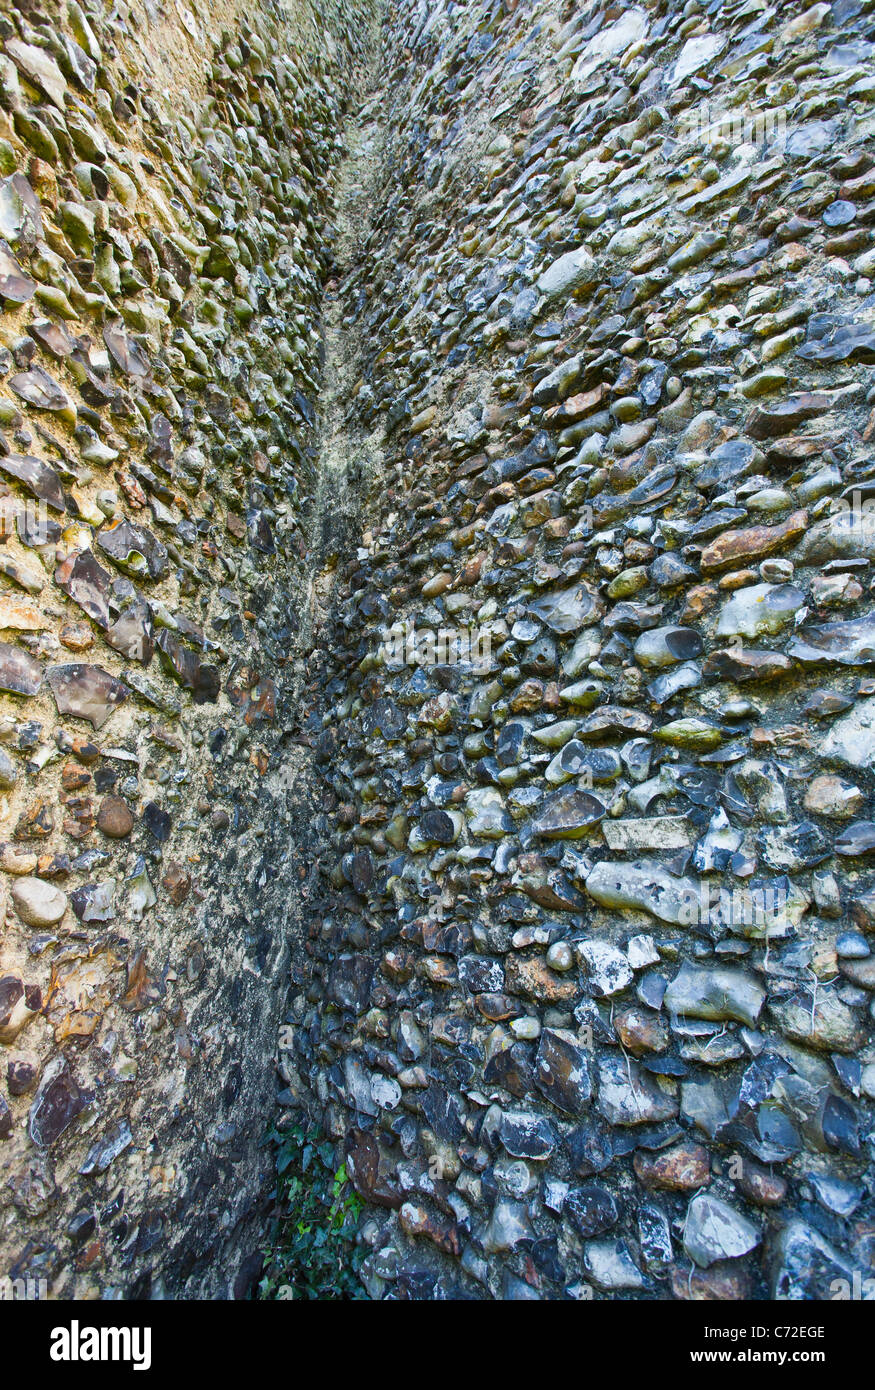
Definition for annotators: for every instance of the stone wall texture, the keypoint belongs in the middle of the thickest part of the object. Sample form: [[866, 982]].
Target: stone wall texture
[[437, 640], [166, 181]]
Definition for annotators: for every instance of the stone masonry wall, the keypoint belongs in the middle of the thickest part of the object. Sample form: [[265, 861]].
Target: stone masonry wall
[[588, 996], [436, 650], [165, 189]]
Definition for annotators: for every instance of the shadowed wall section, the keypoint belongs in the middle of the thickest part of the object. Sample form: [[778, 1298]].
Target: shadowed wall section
[[165, 193]]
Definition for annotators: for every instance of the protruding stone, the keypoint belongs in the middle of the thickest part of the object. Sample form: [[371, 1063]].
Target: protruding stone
[[38, 903]]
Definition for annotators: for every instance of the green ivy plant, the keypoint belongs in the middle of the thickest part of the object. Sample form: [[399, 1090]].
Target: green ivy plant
[[312, 1252]]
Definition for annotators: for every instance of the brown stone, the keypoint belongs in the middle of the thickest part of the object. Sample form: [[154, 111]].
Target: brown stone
[[438, 970], [736, 579], [417, 1221], [699, 600], [833, 797], [73, 777], [364, 1162], [641, 1030], [795, 447], [751, 544], [575, 407], [725, 1282], [36, 822], [86, 751], [177, 883], [557, 528], [527, 697], [399, 965], [496, 1007], [747, 664], [759, 1186], [680, 1169], [533, 978], [141, 990], [53, 865], [770, 422], [79, 820], [114, 817], [76, 637], [438, 584]]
